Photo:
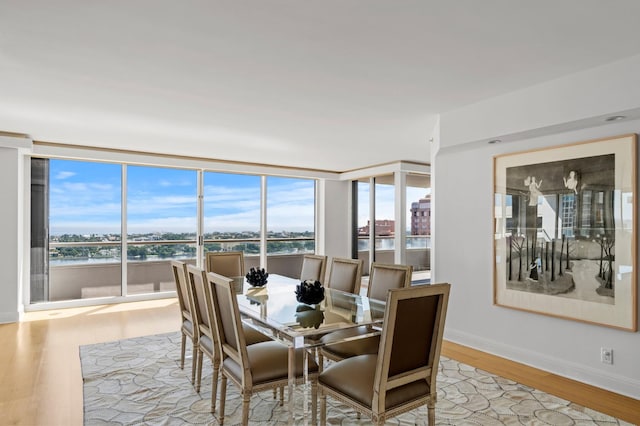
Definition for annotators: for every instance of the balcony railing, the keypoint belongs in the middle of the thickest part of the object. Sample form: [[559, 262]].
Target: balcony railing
[[96, 275]]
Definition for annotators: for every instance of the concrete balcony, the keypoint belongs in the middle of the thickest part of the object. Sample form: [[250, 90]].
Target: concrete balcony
[[84, 281]]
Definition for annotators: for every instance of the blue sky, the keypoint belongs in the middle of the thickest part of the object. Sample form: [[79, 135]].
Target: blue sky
[[385, 201], [85, 198]]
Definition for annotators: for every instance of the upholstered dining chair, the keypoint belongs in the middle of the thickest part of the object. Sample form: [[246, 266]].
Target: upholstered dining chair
[[256, 367], [203, 300], [227, 263], [189, 325], [402, 375], [313, 267], [382, 278], [345, 274]]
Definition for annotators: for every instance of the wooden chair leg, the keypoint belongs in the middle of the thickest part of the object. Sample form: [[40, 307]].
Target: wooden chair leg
[[183, 348], [281, 396], [223, 397], [320, 361], [194, 360], [214, 385], [198, 361], [314, 402], [431, 412], [323, 408], [246, 397]]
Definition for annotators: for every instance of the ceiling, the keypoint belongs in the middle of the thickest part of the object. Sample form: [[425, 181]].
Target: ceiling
[[326, 84]]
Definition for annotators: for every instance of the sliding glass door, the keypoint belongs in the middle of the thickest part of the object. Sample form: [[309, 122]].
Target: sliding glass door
[[232, 213], [418, 211], [384, 197], [161, 212], [80, 210], [83, 229]]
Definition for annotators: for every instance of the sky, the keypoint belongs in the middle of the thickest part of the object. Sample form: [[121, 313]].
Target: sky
[[85, 198], [385, 201]]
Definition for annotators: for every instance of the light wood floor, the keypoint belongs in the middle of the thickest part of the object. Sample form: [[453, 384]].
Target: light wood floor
[[40, 381]]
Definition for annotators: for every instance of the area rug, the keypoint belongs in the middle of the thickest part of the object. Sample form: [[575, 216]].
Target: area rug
[[139, 382]]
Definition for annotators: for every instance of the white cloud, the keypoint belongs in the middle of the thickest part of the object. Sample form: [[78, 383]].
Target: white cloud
[[164, 224], [64, 175], [290, 207]]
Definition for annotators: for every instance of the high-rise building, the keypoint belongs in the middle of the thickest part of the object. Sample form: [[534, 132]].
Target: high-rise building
[[384, 228], [421, 216]]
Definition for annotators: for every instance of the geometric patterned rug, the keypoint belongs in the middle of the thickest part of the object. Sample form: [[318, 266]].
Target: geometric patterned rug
[[139, 382]]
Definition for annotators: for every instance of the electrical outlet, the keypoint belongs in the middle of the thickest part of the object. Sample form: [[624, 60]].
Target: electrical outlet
[[606, 355]]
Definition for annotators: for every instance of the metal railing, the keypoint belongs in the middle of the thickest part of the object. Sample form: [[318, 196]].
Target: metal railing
[[88, 277]]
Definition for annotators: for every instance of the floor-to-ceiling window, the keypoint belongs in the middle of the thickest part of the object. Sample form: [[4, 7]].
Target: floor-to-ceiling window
[[376, 199], [161, 212], [84, 228], [80, 209], [383, 239], [418, 211], [363, 208], [385, 220], [232, 213], [290, 215]]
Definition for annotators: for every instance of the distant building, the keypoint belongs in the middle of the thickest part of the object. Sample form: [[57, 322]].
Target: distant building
[[384, 228], [421, 216]]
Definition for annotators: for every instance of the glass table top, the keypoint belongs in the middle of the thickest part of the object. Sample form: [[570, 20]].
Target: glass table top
[[275, 306]]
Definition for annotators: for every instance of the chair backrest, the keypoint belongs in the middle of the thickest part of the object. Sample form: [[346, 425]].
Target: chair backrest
[[383, 278], [226, 263], [202, 301], [230, 337], [411, 340], [345, 274], [313, 267], [185, 297]]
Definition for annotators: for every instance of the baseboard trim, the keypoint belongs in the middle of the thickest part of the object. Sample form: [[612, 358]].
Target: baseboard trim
[[612, 382], [8, 317]]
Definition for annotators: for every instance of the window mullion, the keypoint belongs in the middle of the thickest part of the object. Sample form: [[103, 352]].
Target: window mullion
[[263, 221], [200, 220], [123, 230]]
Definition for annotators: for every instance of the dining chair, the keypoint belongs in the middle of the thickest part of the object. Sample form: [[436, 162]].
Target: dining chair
[[253, 368], [189, 325], [313, 267], [402, 375], [226, 263], [345, 274], [203, 301], [382, 278]]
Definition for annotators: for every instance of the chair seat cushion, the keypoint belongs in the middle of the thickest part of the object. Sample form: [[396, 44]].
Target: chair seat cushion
[[366, 345], [253, 336], [354, 377], [269, 361], [187, 327], [207, 344]]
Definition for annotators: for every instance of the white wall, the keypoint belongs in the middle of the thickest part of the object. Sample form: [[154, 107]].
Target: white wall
[[12, 226], [547, 108], [463, 220], [335, 212]]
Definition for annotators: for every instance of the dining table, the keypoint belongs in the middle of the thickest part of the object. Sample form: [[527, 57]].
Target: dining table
[[274, 310]]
